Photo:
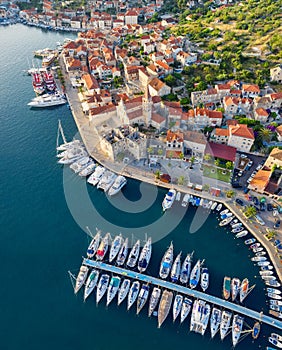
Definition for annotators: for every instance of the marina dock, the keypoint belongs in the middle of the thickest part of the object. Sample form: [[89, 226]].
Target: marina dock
[[259, 316]]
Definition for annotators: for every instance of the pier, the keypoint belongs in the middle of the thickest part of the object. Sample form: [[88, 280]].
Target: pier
[[259, 316]]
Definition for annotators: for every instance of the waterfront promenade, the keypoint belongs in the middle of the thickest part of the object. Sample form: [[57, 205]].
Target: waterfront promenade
[[90, 139], [186, 291]]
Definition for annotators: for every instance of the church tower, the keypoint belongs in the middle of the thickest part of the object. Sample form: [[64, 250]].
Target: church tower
[[147, 106]]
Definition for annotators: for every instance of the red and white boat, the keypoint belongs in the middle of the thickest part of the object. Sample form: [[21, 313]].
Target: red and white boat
[[37, 83], [49, 81]]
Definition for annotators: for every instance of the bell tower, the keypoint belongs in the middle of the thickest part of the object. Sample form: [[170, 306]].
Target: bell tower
[[147, 106]]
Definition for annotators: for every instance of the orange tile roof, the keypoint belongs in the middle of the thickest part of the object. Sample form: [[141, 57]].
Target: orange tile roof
[[157, 118], [229, 100], [276, 96], [221, 132], [279, 130], [251, 88], [215, 114], [262, 112], [242, 130], [276, 153], [261, 179], [171, 136], [156, 83]]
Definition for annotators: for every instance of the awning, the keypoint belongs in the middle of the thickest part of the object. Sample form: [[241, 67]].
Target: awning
[[263, 200], [198, 187]]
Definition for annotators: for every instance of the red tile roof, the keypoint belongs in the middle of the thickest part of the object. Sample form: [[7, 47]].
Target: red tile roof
[[221, 151], [242, 130]]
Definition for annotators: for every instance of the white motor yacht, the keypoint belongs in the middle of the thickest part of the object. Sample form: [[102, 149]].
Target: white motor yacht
[[88, 170], [96, 176], [118, 184], [47, 101], [185, 200], [107, 180], [169, 199]]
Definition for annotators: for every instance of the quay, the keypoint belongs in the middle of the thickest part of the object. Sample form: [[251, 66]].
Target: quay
[[186, 291]]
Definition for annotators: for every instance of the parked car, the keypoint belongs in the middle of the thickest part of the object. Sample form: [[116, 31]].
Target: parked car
[[256, 201], [259, 167], [275, 212], [250, 163], [249, 180], [277, 223], [240, 173], [269, 207], [239, 201], [246, 190], [262, 206], [236, 185], [243, 156], [259, 220]]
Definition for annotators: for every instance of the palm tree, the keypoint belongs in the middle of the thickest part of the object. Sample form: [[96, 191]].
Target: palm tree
[[150, 150], [230, 193], [250, 212], [270, 234], [217, 162], [160, 152], [207, 157], [265, 135], [229, 165], [181, 180]]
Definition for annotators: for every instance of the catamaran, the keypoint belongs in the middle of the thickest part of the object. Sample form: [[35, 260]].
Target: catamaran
[[93, 246], [103, 247], [113, 288], [142, 297], [200, 316], [133, 293], [81, 277], [176, 267], [215, 321], [107, 180], [166, 262], [177, 305], [195, 274], [88, 170], [145, 256], [123, 291], [133, 255], [96, 176], [237, 326], [235, 287], [186, 268], [186, 308], [244, 289], [204, 278], [225, 323], [226, 287], [169, 199], [91, 283], [154, 299], [115, 247], [102, 287], [122, 255]]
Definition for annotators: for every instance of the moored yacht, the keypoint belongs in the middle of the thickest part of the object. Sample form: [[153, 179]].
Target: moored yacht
[[244, 289], [176, 267], [226, 287], [107, 180], [186, 307], [96, 176], [103, 247], [102, 287], [166, 262], [275, 342], [123, 291], [115, 247], [186, 268], [81, 277], [169, 199], [145, 256], [133, 255], [93, 246], [200, 316], [177, 305], [122, 255], [47, 100], [88, 170], [154, 299], [91, 283], [235, 287], [118, 184], [133, 293], [185, 200], [215, 321], [68, 145], [142, 297], [237, 326], [113, 288], [225, 323], [195, 274], [204, 278], [164, 306], [226, 221]]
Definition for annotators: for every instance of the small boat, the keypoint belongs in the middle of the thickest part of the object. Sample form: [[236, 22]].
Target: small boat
[[226, 221], [256, 330], [215, 321], [218, 208], [107, 180], [164, 306], [273, 290], [133, 255], [91, 283], [276, 308], [186, 268], [177, 305], [235, 287], [195, 274], [262, 253], [250, 241], [93, 246], [237, 229], [275, 302], [227, 216], [169, 199], [274, 296], [166, 262], [176, 268], [186, 307], [102, 287], [226, 287], [273, 283], [122, 255], [204, 278], [275, 342], [234, 222], [142, 297], [145, 256], [276, 336], [255, 245], [123, 291], [256, 250], [244, 289], [268, 278], [103, 247], [115, 247], [133, 293], [263, 263], [81, 277], [201, 202], [185, 200], [96, 176], [236, 225], [266, 273], [118, 184], [68, 145], [209, 205], [223, 212], [241, 234], [213, 205], [258, 258], [154, 299], [275, 313], [266, 268], [225, 323], [178, 196], [88, 170], [237, 326], [113, 288], [79, 164]]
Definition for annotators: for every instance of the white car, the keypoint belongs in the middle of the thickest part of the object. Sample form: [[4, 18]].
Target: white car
[[243, 156], [275, 212], [259, 220], [240, 173]]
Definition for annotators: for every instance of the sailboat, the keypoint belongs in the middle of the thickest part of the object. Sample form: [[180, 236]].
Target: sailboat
[[215, 321], [102, 287], [103, 247], [91, 283], [113, 288], [82, 275], [204, 279], [237, 326], [186, 308], [186, 268], [122, 255], [244, 289], [195, 274], [115, 247], [176, 267], [235, 287], [166, 262], [123, 291], [142, 297], [154, 299], [226, 287], [133, 255], [133, 293], [225, 323], [93, 246], [145, 256], [177, 305], [164, 306]]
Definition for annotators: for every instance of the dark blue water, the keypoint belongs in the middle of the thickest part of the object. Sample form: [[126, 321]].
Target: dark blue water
[[44, 212]]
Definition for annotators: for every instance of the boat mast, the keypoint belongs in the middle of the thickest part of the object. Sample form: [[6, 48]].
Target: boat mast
[[72, 279], [60, 129]]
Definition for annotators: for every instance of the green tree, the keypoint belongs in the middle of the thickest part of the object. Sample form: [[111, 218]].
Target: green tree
[[181, 180], [157, 174], [265, 135], [217, 162], [170, 80], [229, 165], [207, 157], [160, 152], [206, 187], [150, 150], [230, 193], [250, 211]]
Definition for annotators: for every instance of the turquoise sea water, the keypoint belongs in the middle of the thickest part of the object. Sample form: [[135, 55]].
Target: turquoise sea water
[[43, 208]]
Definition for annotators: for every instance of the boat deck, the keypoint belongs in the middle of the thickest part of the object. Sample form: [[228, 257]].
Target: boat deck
[[186, 291]]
